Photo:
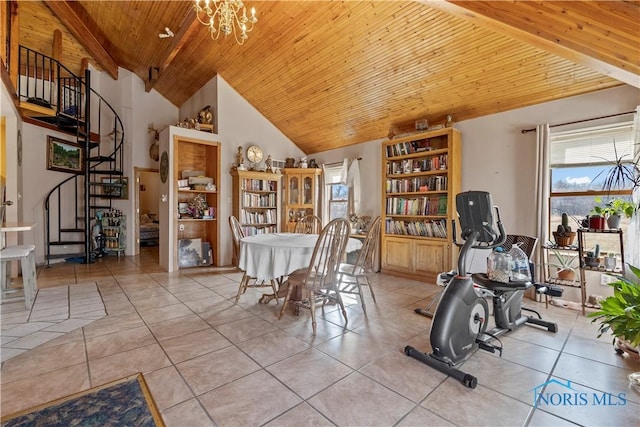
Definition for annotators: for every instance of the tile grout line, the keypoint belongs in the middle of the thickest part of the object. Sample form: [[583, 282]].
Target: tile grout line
[[534, 407]]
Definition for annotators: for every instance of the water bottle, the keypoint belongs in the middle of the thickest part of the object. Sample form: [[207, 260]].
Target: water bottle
[[520, 271], [499, 265]]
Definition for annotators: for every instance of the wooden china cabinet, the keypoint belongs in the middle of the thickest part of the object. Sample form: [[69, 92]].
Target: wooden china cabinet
[[301, 193]]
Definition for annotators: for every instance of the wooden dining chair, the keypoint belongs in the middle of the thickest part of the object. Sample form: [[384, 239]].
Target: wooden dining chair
[[237, 234], [352, 277], [310, 224], [246, 281], [320, 279]]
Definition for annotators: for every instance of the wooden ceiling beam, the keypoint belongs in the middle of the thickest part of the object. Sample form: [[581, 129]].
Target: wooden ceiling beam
[[187, 28], [84, 36], [13, 38], [569, 41]]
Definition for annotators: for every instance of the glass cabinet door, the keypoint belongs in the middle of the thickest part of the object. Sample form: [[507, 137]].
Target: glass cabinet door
[[293, 190], [308, 191]]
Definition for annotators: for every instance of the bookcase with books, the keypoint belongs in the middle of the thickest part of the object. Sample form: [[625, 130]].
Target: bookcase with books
[[256, 201], [420, 179]]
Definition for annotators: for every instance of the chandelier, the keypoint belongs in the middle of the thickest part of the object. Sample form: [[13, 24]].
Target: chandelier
[[226, 17]]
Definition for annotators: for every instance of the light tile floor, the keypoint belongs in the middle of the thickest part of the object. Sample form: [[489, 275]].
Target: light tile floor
[[55, 312], [211, 362]]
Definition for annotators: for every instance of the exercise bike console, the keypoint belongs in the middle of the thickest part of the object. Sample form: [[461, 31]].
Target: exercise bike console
[[460, 321]]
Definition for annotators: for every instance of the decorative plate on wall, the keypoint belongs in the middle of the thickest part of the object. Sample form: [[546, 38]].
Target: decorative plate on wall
[[164, 166]]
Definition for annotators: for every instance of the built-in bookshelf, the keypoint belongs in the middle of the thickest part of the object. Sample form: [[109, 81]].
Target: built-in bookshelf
[[421, 176], [256, 201], [189, 232]]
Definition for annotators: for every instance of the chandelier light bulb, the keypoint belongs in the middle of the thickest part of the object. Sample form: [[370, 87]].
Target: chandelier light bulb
[[225, 16]]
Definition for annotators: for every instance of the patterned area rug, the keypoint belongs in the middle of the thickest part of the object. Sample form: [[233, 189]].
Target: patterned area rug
[[125, 402]]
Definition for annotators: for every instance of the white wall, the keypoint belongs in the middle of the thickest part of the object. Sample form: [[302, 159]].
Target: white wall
[[370, 174], [498, 157], [238, 124]]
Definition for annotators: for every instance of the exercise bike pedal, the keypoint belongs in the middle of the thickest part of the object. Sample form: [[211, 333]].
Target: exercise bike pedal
[[486, 347], [489, 347]]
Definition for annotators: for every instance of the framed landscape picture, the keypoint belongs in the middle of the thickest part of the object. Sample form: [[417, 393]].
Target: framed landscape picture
[[64, 156], [115, 188]]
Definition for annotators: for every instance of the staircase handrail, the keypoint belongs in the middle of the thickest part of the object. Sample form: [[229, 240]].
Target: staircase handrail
[[118, 127], [70, 93]]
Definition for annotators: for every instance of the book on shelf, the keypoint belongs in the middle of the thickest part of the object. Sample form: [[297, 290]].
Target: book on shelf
[[406, 166], [258, 184], [260, 200], [251, 230], [416, 184], [426, 228], [265, 217], [427, 205], [408, 147]]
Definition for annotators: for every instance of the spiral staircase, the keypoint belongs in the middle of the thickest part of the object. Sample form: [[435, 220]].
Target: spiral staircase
[[53, 97]]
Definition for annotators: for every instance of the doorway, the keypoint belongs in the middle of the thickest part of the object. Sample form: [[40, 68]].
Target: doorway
[[147, 210]]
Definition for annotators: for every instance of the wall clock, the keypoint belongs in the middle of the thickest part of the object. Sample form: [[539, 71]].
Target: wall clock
[[254, 154], [164, 166]]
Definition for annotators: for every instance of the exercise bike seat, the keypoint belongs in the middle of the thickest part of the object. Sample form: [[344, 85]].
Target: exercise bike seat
[[483, 280]]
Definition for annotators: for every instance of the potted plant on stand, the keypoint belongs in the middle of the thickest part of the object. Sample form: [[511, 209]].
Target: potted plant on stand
[[564, 266], [613, 211], [619, 314], [564, 235], [592, 258]]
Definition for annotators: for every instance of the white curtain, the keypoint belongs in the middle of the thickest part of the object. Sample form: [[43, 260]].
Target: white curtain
[[344, 172], [350, 176], [543, 177], [353, 181], [632, 244]]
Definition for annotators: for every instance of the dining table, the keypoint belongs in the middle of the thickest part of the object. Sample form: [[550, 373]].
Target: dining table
[[273, 256]]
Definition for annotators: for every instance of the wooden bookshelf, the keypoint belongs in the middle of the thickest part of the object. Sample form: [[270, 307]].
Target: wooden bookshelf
[[420, 179], [256, 201], [195, 233]]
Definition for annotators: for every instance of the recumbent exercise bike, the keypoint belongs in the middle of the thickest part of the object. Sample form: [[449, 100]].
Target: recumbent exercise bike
[[459, 324]]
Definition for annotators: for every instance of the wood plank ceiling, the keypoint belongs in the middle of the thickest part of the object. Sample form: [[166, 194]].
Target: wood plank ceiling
[[332, 74]]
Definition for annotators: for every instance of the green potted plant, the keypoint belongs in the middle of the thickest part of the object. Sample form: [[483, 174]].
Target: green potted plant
[[564, 265], [592, 258], [613, 211], [564, 235], [620, 313]]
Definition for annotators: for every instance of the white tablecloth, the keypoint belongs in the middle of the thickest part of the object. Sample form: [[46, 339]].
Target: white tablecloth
[[271, 256]]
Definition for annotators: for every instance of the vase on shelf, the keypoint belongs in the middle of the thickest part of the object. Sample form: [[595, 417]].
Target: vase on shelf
[[613, 222], [596, 222], [591, 261], [566, 274], [610, 262]]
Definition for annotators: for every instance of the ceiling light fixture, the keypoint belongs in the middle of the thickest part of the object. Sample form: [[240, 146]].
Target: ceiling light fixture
[[166, 34], [223, 16]]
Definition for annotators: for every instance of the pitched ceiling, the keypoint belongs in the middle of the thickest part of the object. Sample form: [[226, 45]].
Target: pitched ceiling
[[332, 74]]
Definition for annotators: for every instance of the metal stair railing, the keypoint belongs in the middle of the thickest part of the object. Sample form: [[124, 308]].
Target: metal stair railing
[[66, 101]]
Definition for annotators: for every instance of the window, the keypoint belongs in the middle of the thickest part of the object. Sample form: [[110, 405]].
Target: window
[[338, 201], [580, 162]]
